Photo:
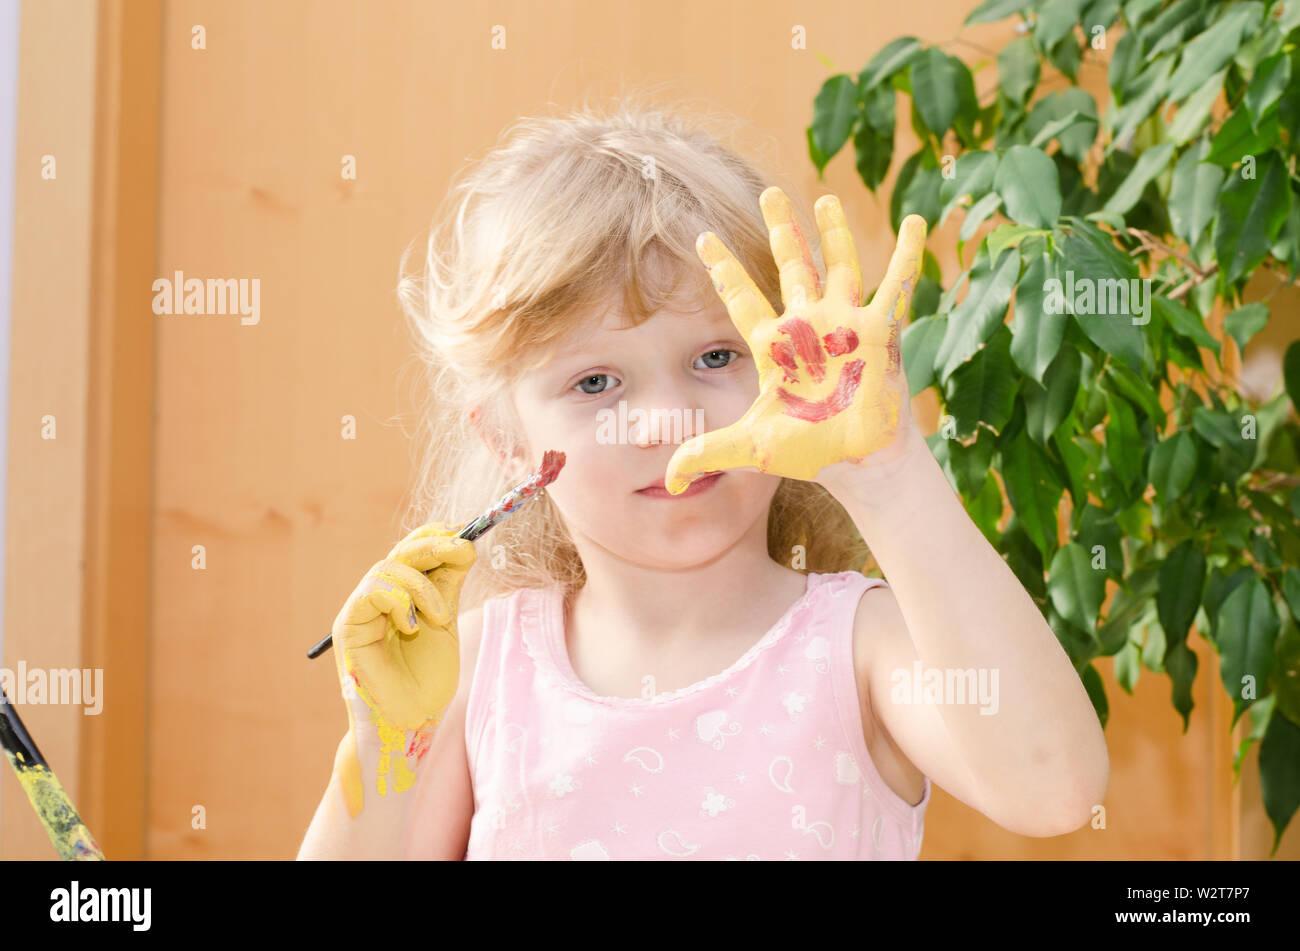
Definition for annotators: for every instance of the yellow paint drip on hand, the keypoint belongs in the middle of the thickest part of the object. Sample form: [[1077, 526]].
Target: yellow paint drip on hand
[[393, 773]]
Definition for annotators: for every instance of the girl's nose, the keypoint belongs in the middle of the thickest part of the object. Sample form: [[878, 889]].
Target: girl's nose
[[654, 423]]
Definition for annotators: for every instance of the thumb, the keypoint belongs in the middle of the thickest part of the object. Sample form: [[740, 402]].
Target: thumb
[[731, 447]]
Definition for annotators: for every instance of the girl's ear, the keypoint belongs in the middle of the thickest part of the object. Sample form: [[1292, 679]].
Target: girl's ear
[[511, 460]]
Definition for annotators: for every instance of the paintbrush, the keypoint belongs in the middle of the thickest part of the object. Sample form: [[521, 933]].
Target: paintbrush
[[70, 836], [507, 505]]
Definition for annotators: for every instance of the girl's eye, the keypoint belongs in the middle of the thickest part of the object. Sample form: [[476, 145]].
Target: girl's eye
[[581, 385], [719, 366]]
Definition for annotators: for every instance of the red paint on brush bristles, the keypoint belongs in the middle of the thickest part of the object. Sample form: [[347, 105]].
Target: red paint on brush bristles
[[552, 463]]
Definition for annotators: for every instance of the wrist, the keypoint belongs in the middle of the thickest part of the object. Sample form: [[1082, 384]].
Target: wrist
[[871, 479]]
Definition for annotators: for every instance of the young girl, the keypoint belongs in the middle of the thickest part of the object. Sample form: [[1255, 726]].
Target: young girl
[[630, 668]]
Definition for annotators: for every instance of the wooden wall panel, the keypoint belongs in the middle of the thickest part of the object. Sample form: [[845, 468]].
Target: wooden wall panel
[[250, 468]]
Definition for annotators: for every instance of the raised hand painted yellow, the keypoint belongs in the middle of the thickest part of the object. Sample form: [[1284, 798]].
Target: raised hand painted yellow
[[396, 647], [831, 382]]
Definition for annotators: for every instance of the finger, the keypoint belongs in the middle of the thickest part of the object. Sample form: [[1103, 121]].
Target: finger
[[745, 302], [894, 295], [428, 600], [731, 447], [427, 530], [357, 624], [433, 551], [843, 274], [394, 600], [799, 281]]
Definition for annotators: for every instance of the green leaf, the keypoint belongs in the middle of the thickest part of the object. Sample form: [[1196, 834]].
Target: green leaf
[[1123, 442], [1080, 467], [916, 190], [1046, 406], [991, 10], [897, 54], [1053, 112], [1098, 530], [1033, 490], [1030, 188], [1024, 559], [877, 106], [1149, 164], [972, 175], [1116, 332], [986, 509], [1191, 115], [1180, 663], [935, 77], [1251, 213], [973, 321], [873, 154], [969, 465], [1182, 576], [1244, 322], [1153, 650], [925, 299], [920, 343], [1036, 335], [1194, 194], [1291, 590], [834, 111], [1279, 773], [1239, 137], [1185, 323], [1173, 23], [818, 158], [1248, 623], [1008, 236], [1143, 94], [1075, 587], [1222, 430], [1055, 21], [1291, 374], [1096, 693], [977, 215], [1172, 465], [1216, 592], [1018, 69], [1127, 667], [984, 389], [1066, 56], [1124, 61], [1267, 85], [1210, 51], [1133, 387]]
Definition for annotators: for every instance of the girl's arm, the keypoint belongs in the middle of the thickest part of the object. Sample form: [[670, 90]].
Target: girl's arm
[[388, 826], [1038, 764]]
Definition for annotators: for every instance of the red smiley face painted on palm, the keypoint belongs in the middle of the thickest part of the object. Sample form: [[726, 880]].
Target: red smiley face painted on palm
[[804, 346], [830, 372]]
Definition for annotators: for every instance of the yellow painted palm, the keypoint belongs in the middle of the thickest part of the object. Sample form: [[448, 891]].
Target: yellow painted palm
[[831, 382]]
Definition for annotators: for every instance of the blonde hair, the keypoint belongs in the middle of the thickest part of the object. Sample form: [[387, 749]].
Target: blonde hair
[[567, 211]]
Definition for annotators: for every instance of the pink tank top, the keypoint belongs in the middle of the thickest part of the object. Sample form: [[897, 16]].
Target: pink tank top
[[765, 760]]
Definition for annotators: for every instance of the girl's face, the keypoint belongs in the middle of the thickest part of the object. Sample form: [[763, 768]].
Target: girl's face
[[600, 399]]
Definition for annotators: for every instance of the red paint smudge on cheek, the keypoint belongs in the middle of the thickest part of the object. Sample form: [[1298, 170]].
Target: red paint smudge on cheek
[[816, 411]]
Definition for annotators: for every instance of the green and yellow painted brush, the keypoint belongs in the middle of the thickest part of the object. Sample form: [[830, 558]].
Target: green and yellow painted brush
[[66, 830]]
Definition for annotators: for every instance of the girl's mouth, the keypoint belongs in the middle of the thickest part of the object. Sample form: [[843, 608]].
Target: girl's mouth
[[702, 484]]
